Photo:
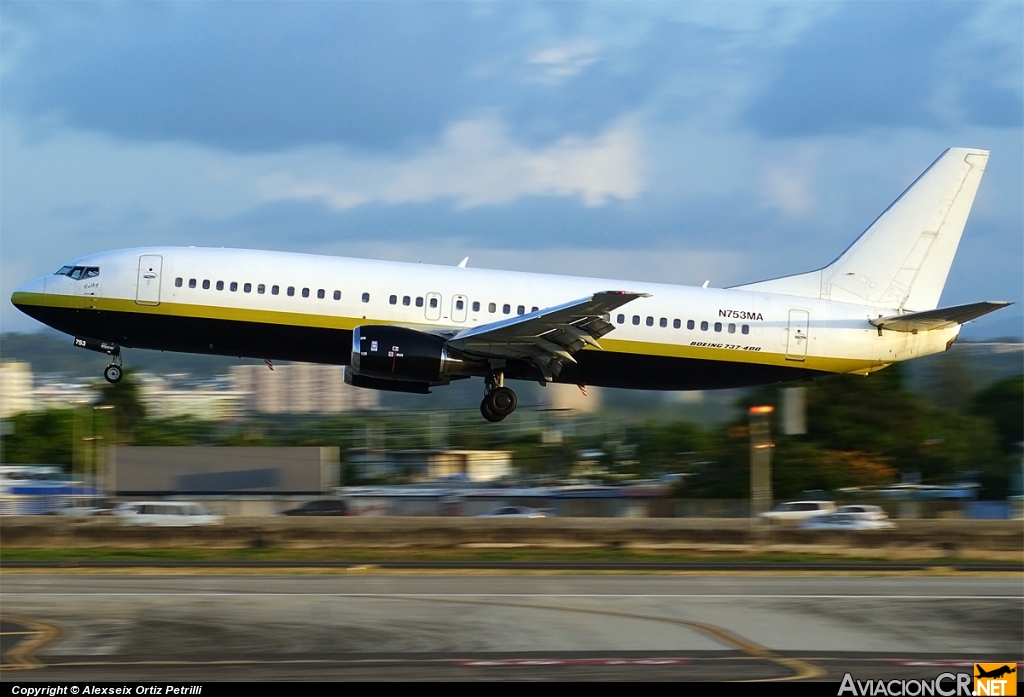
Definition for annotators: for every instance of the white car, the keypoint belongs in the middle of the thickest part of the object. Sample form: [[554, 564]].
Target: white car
[[795, 511], [846, 521], [864, 511], [165, 513]]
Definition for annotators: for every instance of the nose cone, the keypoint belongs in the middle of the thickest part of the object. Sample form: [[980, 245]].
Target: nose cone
[[32, 294]]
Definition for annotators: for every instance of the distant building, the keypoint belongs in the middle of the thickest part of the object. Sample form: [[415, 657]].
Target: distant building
[[432, 465], [207, 402], [150, 471], [571, 397], [300, 388], [15, 388]]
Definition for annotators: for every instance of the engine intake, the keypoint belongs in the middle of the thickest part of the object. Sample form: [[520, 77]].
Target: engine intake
[[400, 354]]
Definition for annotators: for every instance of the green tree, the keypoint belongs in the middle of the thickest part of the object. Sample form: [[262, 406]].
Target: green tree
[[1002, 403], [129, 411]]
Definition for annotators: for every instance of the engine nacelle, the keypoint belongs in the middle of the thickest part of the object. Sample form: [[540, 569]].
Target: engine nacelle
[[403, 355]]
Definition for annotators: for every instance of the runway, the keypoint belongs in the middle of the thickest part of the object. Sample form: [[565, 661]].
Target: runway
[[363, 625]]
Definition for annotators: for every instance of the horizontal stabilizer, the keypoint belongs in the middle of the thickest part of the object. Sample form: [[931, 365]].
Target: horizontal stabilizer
[[938, 319]]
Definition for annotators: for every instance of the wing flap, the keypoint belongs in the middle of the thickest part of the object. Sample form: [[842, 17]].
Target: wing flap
[[546, 337], [940, 318]]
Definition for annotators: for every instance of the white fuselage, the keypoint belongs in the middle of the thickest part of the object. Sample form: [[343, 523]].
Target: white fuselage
[[282, 290]]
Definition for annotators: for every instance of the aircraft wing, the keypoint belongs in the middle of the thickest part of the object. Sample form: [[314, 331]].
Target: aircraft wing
[[939, 318], [546, 337]]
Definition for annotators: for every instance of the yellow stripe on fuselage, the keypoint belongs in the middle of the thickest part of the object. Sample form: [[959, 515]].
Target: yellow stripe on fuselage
[[301, 319]]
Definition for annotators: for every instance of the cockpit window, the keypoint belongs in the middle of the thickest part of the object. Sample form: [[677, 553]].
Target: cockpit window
[[79, 272]]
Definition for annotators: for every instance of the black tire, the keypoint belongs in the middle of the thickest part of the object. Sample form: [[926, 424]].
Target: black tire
[[488, 414], [113, 373], [501, 401]]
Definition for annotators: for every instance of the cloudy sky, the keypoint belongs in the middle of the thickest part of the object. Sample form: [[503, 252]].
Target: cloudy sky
[[671, 142]]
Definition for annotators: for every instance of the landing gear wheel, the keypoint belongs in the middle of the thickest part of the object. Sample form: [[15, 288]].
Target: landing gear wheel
[[488, 414], [113, 373], [501, 401]]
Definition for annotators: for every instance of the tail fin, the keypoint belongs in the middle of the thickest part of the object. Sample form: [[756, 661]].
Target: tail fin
[[902, 260]]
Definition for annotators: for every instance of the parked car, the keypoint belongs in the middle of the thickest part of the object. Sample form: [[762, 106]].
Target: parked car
[[515, 512], [795, 511], [165, 513], [864, 511], [319, 507], [846, 521]]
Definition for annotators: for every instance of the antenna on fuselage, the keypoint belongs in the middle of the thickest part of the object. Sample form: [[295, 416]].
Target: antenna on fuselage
[[705, 284], [462, 264]]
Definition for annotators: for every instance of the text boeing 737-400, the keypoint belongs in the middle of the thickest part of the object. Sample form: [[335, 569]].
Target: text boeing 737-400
[[410, 327]]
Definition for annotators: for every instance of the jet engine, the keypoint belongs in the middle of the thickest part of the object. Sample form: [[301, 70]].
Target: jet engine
[[383, 355]]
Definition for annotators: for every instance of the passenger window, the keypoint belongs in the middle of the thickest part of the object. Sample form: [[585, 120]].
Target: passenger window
[[520, 310], [177, 282], [393, 300], [745, 328], [261, 289], [419, 301], [459, 304], [220, 285], [732, 328], [305, 292], [621, 319], [433, 302], [291, 291], [206, 285], [337, 295], [234, 286], [321, 294], [476, 306], [650, 321], [247, 288], [191, 283], [406, 300], [704, 326], [676, 324], [663, 322], [506, 308], [718, 326], [366, 297], [274, 290], [491, 307], [534, 308], [689, 324], [636, 319]]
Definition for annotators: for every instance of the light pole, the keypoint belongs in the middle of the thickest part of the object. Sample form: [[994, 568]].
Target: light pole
[[110, 447], [760, 462], [76, 457]]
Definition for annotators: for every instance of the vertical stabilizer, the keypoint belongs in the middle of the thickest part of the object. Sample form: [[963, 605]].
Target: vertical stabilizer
[[902, 260]]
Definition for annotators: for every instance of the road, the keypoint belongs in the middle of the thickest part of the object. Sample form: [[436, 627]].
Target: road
[[362, 625]]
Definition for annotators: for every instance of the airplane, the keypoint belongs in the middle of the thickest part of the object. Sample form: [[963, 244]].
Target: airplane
[[410, 327]]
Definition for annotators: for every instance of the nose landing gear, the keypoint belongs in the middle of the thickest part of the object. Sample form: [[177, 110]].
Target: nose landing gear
[[499, 401], [113, 372]]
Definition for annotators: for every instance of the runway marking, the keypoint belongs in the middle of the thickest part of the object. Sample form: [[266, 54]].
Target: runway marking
[[802, 670], [20, 656]]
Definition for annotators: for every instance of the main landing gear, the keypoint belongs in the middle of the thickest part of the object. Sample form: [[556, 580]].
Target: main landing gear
[[113, 373], [499, 401]]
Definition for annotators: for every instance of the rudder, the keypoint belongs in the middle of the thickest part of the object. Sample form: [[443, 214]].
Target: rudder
[[902, 260]]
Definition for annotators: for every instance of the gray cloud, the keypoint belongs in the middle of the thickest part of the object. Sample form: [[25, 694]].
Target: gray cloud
[[880, 64], [271, 76]]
